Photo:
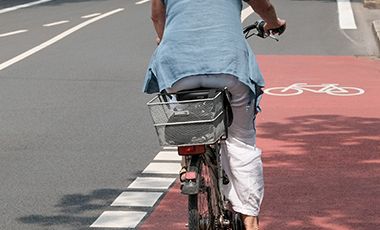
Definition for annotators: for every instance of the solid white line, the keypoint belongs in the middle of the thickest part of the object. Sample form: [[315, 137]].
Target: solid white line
[[55, 39], [23, 6], [91, 15], [346, 15], [246, 12], [141, 2], [13, 33], [56, 23]]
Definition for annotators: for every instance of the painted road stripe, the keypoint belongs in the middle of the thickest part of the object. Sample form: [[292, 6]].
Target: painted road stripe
[[119, 219], [137, 199], [246, 12], [91, 15], [56, 39], [13, 33], [171, 148], [13, 8], [346, 15], [56, 23], [167, 156], [159, 183], [162, 168], [141, 2]]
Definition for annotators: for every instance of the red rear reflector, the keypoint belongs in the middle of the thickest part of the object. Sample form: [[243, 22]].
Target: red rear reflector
[[191, 150], [191, 176]]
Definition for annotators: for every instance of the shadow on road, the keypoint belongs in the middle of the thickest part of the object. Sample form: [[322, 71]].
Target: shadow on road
[[324, 174], [76, 210]]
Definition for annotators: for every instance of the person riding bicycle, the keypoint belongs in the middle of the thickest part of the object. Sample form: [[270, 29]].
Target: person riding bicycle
[[201, 44]]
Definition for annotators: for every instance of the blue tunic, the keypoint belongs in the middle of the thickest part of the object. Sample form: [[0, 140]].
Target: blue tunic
[[202, 37]]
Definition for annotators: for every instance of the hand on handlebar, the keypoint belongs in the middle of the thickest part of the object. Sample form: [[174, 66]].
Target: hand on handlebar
[[277, 28]]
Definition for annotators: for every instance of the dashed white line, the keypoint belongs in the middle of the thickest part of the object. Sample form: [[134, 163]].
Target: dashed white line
[[118, 219], [162, 168], [167, 156], [13, 33], [142, 2], [56, 23], [137, 199], [56, 39], [346, 15], [13, 8], [158, 183], [246, 12], [91, 15]]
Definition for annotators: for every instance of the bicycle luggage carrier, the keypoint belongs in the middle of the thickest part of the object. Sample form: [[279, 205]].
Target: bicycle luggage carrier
[[187, 122]]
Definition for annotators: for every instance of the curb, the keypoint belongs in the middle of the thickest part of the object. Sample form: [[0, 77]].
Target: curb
[[372, 4], [376, 28]]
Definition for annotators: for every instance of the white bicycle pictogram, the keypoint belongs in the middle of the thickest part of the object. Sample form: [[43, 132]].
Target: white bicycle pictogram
[[299, 88]]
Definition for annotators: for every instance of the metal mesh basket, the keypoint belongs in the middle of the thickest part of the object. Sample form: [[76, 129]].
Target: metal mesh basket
[[189, 122]]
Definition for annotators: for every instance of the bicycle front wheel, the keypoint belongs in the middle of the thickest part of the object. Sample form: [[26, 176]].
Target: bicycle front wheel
[[203, 206]]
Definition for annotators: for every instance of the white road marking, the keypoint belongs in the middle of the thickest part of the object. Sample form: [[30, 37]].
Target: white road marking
[[56, 23], [159, 183], [141, 2], [163, 168], [246, 12], [167, 156], [91, 15], [118, 219], [137, 199], [346, 15], [13, 8], [171, 148], [13, 33], [56, 39]]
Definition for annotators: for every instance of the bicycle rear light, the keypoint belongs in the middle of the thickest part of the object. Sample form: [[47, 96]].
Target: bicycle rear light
[[191, 150]]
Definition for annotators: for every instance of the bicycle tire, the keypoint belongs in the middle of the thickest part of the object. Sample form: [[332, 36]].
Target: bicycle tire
[[203, 207], [278, 91], [347, 91], [237, 222]]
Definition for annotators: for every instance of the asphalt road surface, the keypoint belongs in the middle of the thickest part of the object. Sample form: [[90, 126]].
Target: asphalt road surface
[[75, 131]]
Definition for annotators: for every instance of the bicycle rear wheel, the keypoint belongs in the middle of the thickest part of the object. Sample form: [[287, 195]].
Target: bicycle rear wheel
[[204, 206]]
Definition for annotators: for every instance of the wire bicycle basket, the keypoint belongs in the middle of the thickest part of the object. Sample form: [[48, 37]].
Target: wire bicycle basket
[[187, 122]]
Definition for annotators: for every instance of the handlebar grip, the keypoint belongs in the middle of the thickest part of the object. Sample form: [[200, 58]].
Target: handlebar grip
[[279, 30]]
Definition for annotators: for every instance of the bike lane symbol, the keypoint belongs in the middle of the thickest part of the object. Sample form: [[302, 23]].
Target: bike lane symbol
[[299, 88]]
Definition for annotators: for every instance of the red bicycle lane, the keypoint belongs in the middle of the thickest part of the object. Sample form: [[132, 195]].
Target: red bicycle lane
[[321, 152]]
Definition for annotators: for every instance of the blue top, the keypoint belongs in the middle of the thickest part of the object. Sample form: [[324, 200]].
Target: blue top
[[202, 37]]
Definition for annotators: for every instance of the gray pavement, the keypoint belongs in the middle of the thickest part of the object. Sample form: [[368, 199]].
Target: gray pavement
[[75, 130]]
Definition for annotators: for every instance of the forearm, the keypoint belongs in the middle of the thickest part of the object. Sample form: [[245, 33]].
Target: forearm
[[265, 10], [158, 17]]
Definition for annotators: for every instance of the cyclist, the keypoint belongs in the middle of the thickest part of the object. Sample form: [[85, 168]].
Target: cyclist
[[201, 44]]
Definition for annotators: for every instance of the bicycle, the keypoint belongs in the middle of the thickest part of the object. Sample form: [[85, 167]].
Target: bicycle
[[299, 88], [196, 121]]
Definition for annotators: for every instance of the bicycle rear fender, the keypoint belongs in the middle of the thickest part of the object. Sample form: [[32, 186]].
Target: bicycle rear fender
[[192, 182]]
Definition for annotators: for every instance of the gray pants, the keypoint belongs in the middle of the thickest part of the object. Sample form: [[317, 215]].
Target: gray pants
[[241, 158]]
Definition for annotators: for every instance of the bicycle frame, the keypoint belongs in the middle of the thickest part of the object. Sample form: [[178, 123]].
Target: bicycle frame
[[323, 88]]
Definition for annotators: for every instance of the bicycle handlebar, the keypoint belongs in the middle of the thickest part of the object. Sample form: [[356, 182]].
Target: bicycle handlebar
[[259, 27]]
